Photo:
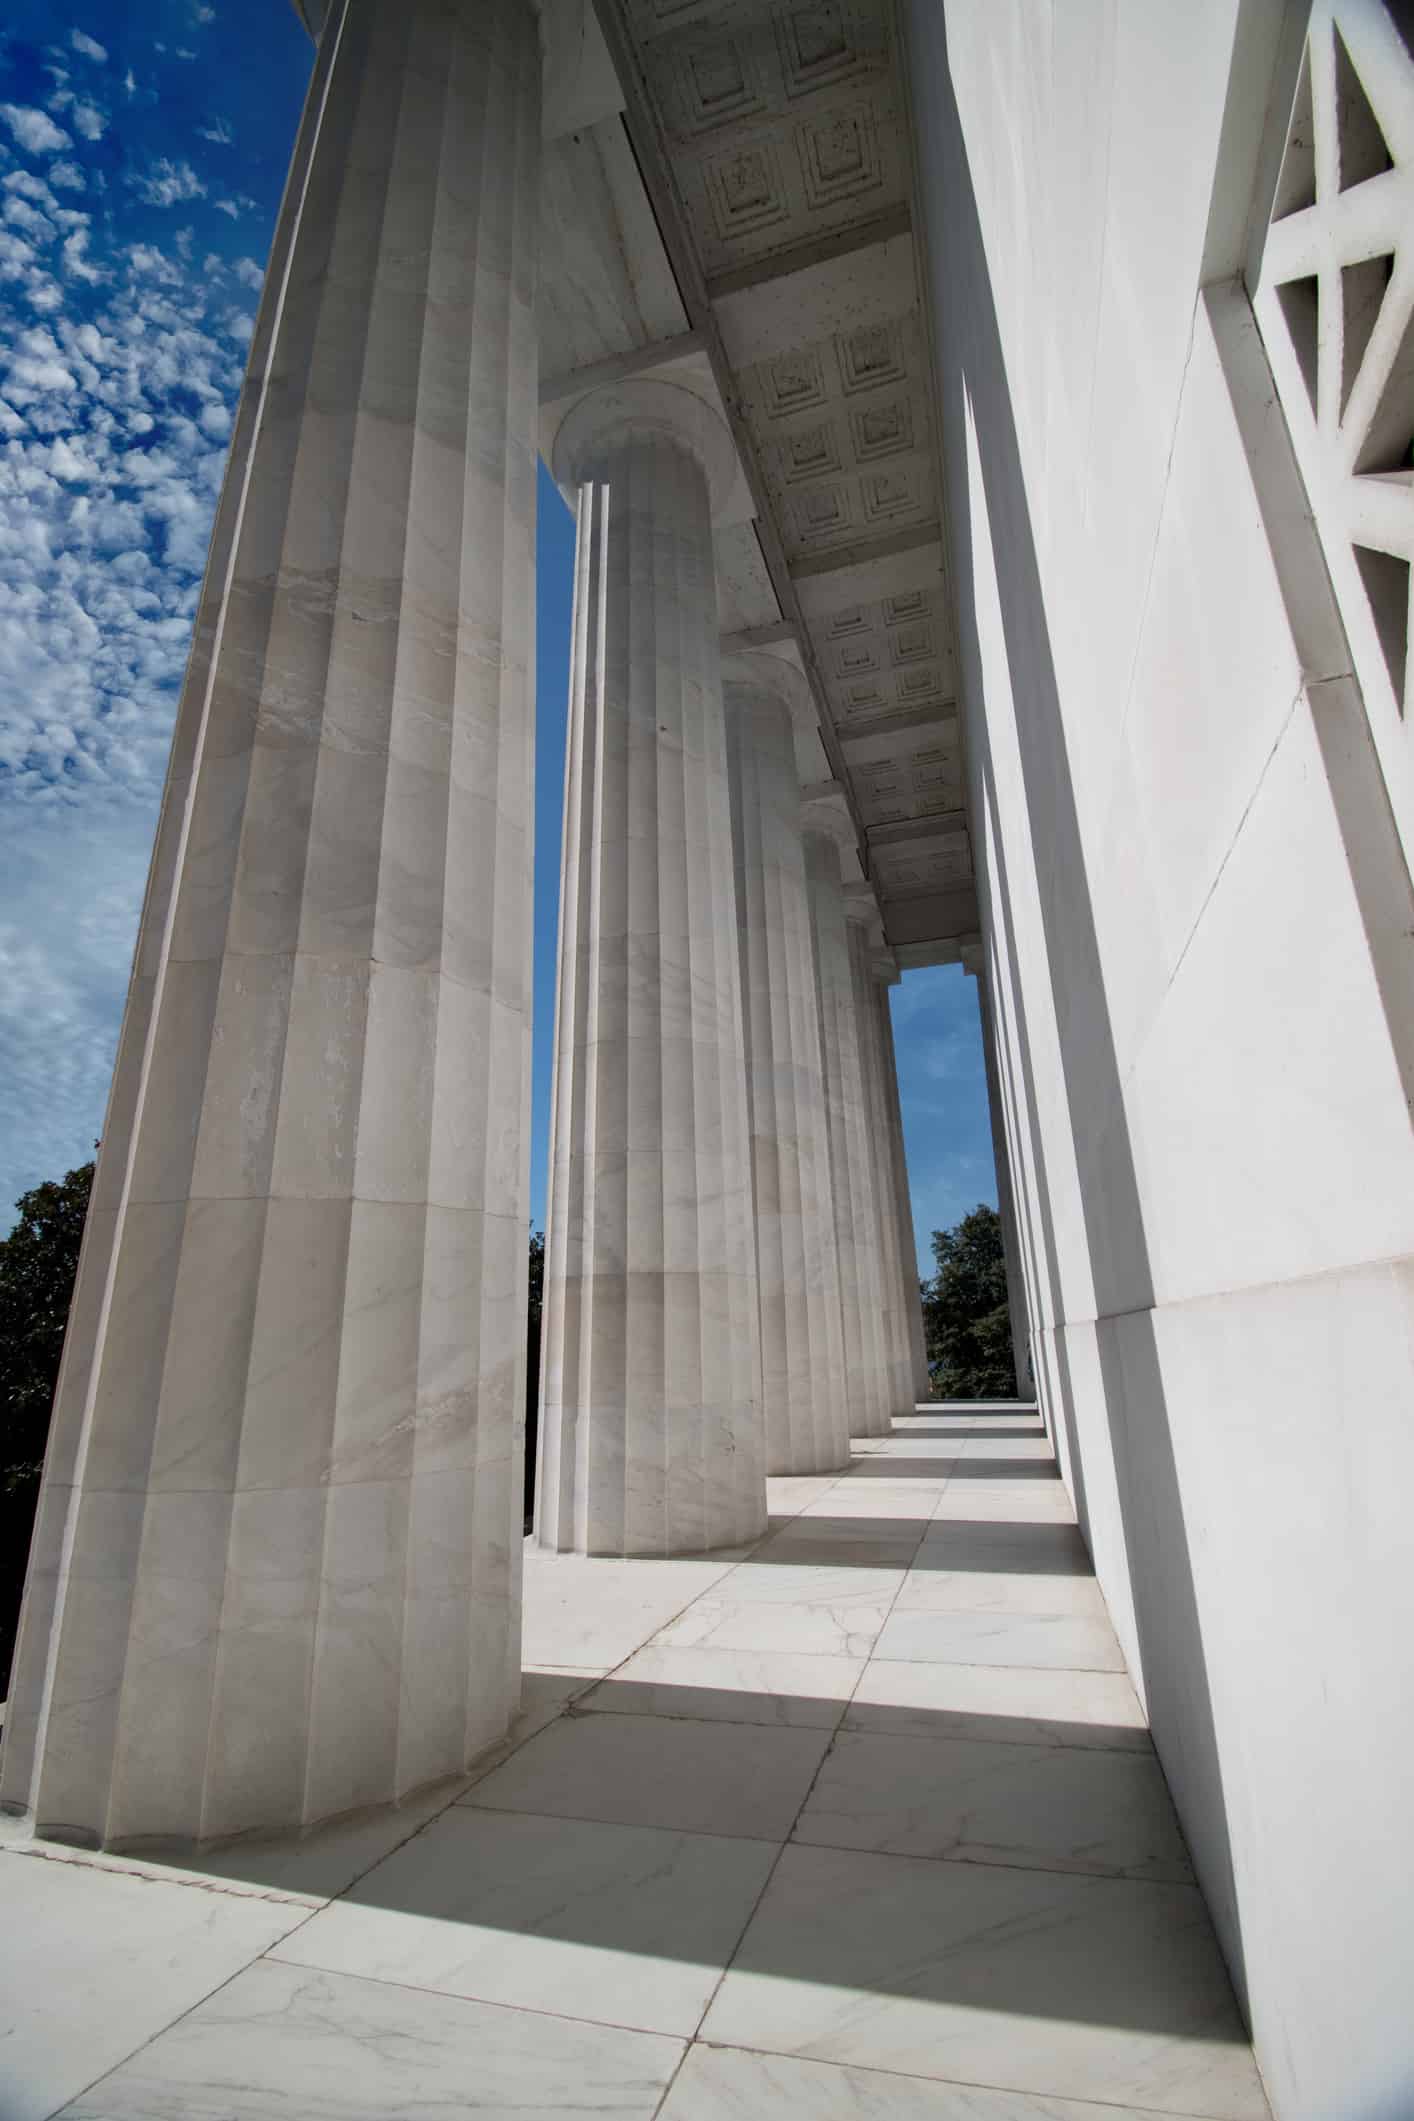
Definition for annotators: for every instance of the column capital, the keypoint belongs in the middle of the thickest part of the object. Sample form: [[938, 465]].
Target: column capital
[[861, 905], [607, 420], [884, 966], [972, 959], [756, 671], [824, 810]]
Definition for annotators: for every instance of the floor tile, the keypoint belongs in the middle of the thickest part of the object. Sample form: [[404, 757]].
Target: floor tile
[[938, 1590], [792, 1491], [1018, 1549], [1048, 1639], [280, 2041], [1104, 1813], [626, 1925], [734, 1686], [864, 1505], [95, 1960], [1012, 1704], [704, 1778], [1098, 1988], [1002, 1501], [728, 2084], [834, 1612], [596, 1611], [800, 1548]]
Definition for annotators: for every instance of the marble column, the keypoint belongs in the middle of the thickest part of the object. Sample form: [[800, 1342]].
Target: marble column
[[864, 936], [651, 1438], [1006, 1198], [922, 1384], [826, 827], [797, 1258], [277, 1568]]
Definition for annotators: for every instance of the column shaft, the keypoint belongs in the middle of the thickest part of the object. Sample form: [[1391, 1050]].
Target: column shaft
[[1006, 1197], [650, 1436], [850, 1149], [802, 1345], [277, 1574], [898, 1379], [922, 1385]]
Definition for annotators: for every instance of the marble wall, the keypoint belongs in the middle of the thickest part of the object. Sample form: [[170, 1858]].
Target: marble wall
[[1193, 870]]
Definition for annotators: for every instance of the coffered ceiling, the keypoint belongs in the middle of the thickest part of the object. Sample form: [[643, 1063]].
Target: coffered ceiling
[[742, 216]]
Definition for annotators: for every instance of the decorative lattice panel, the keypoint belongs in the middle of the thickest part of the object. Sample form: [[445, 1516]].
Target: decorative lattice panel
[[1335, 301]]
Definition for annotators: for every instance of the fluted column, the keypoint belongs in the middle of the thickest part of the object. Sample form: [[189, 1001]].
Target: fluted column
[[921, 1383], [797, 1258], [856, 1228], [276, 1574], [651, 1439], [890, 1176], [974, 963], [863, 921]]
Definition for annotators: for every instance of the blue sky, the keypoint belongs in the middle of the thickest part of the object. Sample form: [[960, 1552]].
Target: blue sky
[[143, 146]]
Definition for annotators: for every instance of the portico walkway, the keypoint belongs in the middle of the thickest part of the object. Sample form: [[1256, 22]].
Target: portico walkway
[[862, 1822]]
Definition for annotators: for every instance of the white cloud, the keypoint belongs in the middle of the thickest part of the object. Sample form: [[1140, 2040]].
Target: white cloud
[[169, 183], [130, 82], [68, 175], [33, 130], [219, 132], [249, 274], [88, 46], [88, 119]]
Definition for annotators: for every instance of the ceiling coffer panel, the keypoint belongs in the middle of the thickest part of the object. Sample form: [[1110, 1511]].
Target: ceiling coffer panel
[[784, 123], [774, 134]]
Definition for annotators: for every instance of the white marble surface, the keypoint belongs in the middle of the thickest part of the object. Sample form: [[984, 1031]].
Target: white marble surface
[[1095, 1988], [1026, 1705], [651, 1438], [735, 1686], [697, 1777], [727, 2084], [291, 1402], [93, 1962], [992, 1638], [1072, 1810], [628, 1925], [851, 1149], [803, 1384], [584, 1616], [284, 2040], [894, 1888]]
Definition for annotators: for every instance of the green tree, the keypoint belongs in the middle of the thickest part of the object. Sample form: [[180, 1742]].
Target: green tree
[[965, 1316], [38, 1262]]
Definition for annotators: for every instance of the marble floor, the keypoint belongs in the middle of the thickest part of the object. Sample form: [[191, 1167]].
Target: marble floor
[[860, 1824]]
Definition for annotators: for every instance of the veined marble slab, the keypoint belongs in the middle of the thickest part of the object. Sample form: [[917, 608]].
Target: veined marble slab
[[1107, 1813], [733, 1686], [727, 2084], [1017, 1705], [283, 2040], [625, 1925], [1098, 1988], [701, 1778], [1005, 1501], [830, 1612], [94, 1960], [943, 1590], [582, 1612], [1048, 1639]]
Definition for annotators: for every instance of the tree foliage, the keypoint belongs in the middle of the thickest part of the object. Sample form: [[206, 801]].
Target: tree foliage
[[38, 1262], [965, 1315]]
